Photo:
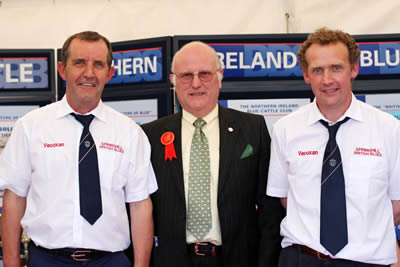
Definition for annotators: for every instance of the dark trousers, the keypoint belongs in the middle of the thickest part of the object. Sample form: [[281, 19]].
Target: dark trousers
[[40, 258], [205, 261], [292, 257]]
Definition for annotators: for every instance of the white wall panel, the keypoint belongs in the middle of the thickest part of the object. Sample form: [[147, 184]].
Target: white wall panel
[[355, 17], [47, 23]]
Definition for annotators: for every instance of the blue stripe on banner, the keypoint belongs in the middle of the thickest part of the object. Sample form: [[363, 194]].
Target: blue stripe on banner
[[249, 60]]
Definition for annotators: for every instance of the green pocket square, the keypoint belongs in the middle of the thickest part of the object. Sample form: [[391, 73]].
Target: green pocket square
[[247, 152]]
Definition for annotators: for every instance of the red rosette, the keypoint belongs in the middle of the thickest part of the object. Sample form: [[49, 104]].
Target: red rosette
[[167, 139]]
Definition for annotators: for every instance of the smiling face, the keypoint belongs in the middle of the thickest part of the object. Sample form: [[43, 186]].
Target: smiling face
[[197, 97], [330, 73], [85, 72]]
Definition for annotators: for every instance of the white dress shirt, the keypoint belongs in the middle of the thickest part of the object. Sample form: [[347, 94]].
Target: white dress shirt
[[40, 162], [369, 145], [211, 130]]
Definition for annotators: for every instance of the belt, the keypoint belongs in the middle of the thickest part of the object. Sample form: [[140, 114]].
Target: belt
[[77, 254], [204, 249], [311, 252]]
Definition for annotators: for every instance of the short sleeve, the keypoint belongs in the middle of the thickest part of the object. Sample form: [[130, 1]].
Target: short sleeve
[[278, 169], [15, 163], [141, 178]]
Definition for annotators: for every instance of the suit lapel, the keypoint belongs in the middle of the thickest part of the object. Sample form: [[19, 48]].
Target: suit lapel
[[176, 170], [228, 133]]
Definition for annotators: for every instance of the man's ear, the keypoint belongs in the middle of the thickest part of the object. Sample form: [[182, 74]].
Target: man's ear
[[219, 75], [110, 73], [305, 76], [354, 70], [172, 78], [61, 69]]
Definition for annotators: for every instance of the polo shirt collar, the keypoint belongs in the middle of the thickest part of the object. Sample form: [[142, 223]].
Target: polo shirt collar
[[65, 109], [353, 112]]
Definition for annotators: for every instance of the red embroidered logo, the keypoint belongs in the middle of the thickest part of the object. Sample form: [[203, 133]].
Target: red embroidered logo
[[45, 145], [367, 152], [308, 153], [113, 147]]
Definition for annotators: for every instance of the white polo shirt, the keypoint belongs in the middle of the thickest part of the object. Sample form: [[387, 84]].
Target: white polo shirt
[[369, 145], [40, 162]]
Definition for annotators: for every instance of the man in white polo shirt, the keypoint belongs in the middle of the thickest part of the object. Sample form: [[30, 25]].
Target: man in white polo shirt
[[70, 167], [335, 164]]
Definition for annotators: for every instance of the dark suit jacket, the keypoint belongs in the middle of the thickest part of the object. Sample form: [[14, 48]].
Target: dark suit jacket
[[249, 237]]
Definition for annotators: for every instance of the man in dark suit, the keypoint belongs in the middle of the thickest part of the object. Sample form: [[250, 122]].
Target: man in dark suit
[[211, 209]]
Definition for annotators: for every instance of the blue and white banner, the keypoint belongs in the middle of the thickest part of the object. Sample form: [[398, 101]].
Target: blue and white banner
[[24, 73], [379, 58], [137, 66], [249, 60], [259, 60], [8, 116], [140, 111], [271, 109], [389, 103]]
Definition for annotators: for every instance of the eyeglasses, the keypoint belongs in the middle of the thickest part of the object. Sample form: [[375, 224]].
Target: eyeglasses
[[204, 76]]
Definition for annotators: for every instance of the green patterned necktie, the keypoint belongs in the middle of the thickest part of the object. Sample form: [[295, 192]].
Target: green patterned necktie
[[199, 211]]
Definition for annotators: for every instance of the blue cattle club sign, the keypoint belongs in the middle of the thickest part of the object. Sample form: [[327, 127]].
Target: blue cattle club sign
[[280, 59], [240, 60], [137, 65], [24, 73]]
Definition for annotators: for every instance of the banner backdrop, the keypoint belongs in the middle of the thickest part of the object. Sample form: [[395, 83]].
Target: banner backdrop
[[140, 111], [24, 73], [271, 109], [246, 60], [137, 65]]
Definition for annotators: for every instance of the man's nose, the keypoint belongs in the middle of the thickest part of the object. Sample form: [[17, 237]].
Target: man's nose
[[327, 77], [89, 73], [196, 82]]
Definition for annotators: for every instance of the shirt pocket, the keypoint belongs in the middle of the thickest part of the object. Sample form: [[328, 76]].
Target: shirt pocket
[[367, 173], [304, 165], [50, 156], [113, 166]]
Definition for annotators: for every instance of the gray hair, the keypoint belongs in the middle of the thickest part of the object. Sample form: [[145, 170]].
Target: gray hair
[[217, 61]]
